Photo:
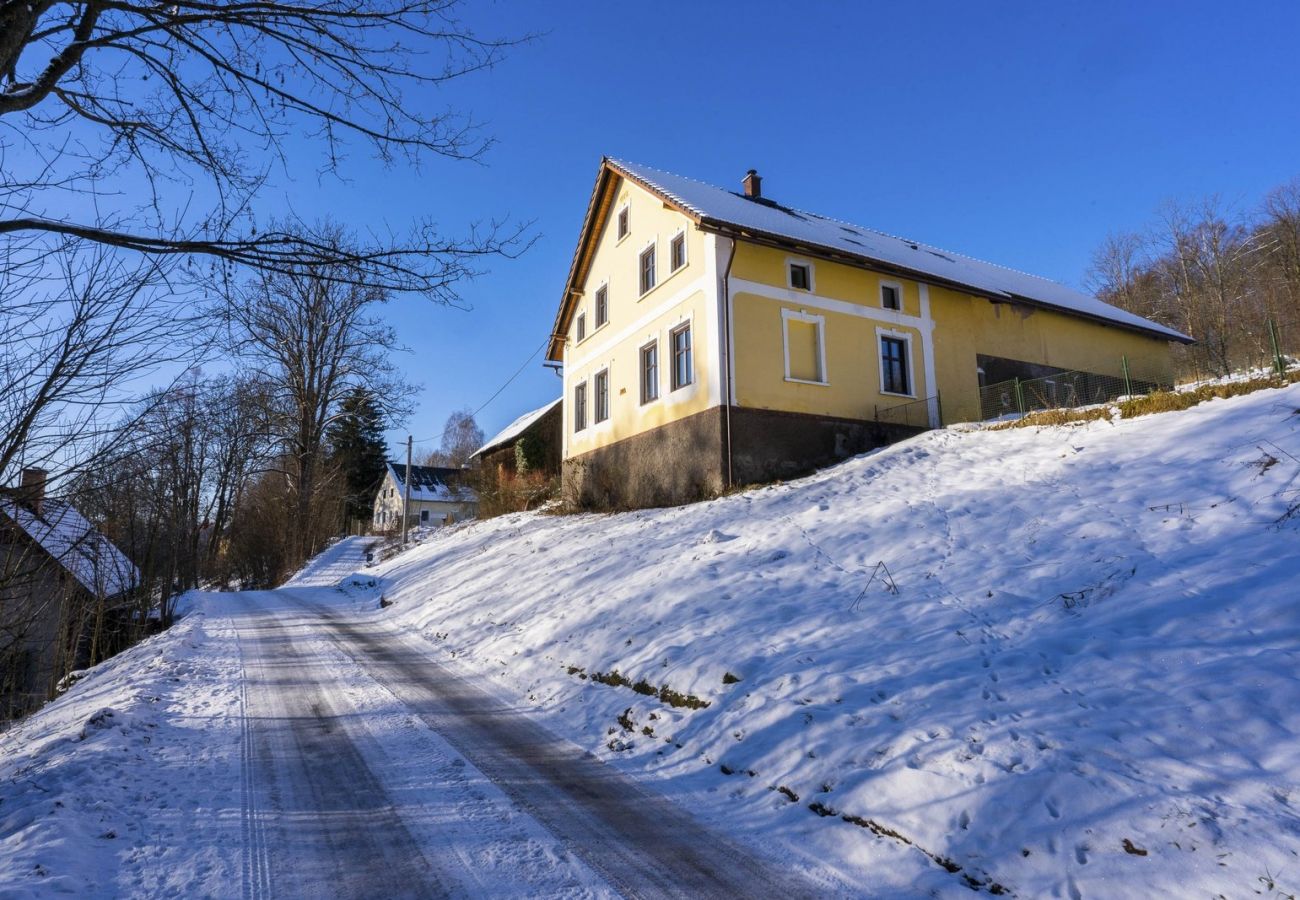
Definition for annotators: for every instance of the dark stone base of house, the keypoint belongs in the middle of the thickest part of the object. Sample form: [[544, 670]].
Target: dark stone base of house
[[686, 460], [767, 445], [675, 463]]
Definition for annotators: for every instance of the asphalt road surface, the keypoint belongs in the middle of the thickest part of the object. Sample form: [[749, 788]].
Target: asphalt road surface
[[347, 795]]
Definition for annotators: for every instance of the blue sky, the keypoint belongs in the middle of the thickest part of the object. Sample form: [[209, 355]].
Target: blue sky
[[1020, 133]]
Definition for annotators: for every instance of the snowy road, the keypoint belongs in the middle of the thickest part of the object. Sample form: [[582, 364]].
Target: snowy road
[[370, 769]]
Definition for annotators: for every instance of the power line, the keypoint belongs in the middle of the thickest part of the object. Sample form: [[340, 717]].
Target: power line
[[509, 381]]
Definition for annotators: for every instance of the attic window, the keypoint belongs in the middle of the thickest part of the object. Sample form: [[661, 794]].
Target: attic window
[[677, 251], [801, 276], [647, 269], [602, 305], [624, 222], [581, 327], [891, 296]]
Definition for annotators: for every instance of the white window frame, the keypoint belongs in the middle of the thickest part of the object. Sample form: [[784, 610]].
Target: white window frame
[[653, 247], [686, 252], [799, 315], [906, 338], [641, 379], [595, 306], [626, 207], [791, 261], [689, 326], [580, 332], [898, 288], [595, 397], [586, 407]]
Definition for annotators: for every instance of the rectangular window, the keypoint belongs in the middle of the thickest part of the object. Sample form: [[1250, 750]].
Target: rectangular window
[[680, 341], [677, 252], [889, 297], [580, 407], [581, 327], [602, 396], [893, 366], [624, 222], [650, 372], [424, 515], [602, 305], [803, 347], [801, 276], [647, 268]]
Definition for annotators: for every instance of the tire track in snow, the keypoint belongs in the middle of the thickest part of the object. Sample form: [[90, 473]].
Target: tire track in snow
[[337, 833], [256, 870], [641, 844]]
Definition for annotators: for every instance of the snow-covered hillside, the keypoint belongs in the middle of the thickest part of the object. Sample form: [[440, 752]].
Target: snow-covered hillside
[[1086, 683], [1078, 678]]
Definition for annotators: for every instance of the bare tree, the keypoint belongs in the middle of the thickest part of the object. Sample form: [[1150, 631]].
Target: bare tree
[[461, 436], [185, 93], [77, 329], [314, 340]]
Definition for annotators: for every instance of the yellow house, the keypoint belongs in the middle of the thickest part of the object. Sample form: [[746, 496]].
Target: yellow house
[[711, 338]]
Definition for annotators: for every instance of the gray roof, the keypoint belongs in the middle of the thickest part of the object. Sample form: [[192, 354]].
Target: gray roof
[[62, 532], [432, 483], [722, 208]]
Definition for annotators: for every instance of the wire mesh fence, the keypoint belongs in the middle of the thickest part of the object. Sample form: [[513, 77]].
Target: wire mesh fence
[[1062, 390], [922, 414]]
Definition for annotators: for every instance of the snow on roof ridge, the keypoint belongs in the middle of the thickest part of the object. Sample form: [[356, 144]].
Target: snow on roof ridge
[[876, 247], [631, 167], [624, 164], [930, 247]]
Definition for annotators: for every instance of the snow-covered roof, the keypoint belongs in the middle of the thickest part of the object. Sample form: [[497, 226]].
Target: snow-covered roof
[[516, 428], [763, 218], [62, 532], [432, 483]]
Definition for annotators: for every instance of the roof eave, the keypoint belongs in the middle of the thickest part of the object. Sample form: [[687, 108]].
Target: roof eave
[[592, 224], [834, 254]]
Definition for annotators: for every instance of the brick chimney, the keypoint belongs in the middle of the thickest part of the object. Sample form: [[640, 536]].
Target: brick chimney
[[753, 183], [31, 490]]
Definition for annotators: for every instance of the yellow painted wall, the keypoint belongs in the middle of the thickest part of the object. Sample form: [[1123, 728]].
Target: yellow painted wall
[[848, 298], [852, 388], [635, 320], [967, 326]]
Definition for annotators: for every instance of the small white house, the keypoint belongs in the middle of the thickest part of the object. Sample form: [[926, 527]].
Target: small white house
[[438, 497]]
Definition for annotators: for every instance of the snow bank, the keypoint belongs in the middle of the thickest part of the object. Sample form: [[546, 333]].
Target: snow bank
[[1086, 684], [100, 790]]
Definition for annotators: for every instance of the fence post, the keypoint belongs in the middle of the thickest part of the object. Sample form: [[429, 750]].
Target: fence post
[[1020, 398], [1128, 382], [1278, 362]]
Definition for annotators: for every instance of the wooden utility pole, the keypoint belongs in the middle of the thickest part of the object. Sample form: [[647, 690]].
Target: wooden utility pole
[[406, 491]]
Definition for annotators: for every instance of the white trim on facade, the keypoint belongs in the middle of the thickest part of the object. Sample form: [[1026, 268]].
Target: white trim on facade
[[927, 349], [596, 351], [714, 265], [831, 304], [818, 322], [791, 261], [906, 338], [898, 293]]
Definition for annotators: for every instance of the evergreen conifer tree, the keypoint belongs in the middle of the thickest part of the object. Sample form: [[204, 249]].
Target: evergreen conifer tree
[[357, 448]]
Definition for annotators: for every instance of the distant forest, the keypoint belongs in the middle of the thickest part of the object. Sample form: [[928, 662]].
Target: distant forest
[[1227, 277]]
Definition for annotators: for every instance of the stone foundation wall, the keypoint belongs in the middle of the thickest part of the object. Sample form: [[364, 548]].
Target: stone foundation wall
[[685, 461], [675, 463], [768, 444]]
